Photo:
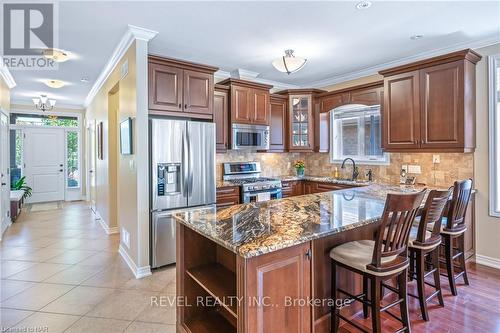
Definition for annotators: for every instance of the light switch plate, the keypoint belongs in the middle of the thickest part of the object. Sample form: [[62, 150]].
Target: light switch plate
[[436, 159], [125, 237], [414, 169]]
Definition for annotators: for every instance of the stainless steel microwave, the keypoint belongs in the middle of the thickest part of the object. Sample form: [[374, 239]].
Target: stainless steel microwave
[[250, 137]]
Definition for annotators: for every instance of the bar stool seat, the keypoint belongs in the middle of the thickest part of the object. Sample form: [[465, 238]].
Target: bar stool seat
[[444, 222], [412, 240], [359, 254]]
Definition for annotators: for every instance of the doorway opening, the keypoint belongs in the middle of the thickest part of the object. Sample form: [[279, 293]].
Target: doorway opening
[[45, 153]]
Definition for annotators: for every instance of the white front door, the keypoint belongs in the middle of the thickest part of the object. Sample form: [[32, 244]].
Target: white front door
[[44, 163], [4, 172]]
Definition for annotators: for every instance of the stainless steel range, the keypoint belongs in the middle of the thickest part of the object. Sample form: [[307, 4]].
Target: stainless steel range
[[254, 188]]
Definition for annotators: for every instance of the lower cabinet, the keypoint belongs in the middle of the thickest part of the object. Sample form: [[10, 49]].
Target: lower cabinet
[[292, 188], [318, 187], [282, 309], [227, 196]]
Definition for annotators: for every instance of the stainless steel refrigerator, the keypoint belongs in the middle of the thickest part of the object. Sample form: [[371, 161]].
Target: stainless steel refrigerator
[[182, 176]]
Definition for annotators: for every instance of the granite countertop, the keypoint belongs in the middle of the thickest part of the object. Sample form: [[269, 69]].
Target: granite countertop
[[257, 228], [224, 183]]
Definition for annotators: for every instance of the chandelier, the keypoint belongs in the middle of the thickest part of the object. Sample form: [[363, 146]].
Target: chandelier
[[289, 63], [43, 103]]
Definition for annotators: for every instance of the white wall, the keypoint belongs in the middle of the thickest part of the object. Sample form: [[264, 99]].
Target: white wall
[[487, 227]]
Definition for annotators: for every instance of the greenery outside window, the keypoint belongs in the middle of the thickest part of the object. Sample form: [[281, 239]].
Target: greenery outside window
[[73, 162], [43, 120]]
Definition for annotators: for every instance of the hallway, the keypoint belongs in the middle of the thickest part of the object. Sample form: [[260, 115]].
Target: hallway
[[60, 272]]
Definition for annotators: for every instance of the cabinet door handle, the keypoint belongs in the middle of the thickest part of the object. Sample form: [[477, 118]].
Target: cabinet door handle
[[308, 254], [185, 106]]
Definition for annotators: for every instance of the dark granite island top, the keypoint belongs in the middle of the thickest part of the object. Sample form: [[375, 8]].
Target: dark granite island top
[[253, 229]]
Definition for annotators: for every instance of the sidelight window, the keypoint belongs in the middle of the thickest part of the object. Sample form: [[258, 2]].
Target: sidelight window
[[356, 132], [494, 121], [73, 162]]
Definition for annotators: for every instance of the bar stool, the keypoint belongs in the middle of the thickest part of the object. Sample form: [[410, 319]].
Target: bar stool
[[453, 228], [378, 261], [424, 243]]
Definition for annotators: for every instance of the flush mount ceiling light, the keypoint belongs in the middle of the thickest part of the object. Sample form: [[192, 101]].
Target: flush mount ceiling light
[[363, 5], [56, 55], [54, 83], [43, 103], [415, 37], [289, 63]]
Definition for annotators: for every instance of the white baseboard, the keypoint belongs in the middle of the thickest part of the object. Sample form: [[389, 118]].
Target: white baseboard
[[104, 225], [488, 261], [139, 272]]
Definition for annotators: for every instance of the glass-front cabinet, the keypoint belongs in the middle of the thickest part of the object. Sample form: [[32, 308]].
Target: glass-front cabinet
[[300, 123]]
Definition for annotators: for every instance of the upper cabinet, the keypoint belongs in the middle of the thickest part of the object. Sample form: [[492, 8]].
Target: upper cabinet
[[221, 118], [430, 105], [249, 102], [278, 124], [300, 121], [180, 88]]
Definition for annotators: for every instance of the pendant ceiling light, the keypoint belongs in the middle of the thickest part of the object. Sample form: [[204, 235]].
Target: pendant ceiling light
[[289, 63], [43, 103]]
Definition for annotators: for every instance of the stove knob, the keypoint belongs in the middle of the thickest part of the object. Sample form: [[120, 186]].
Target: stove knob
[[250, 188]]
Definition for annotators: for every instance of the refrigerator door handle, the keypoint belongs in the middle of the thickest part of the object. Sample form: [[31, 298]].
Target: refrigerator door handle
[[185, 165], [190, 176]]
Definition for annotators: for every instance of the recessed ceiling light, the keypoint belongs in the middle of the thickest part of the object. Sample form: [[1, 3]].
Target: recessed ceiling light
[[56, 55], [84, 80], [54, 83], [363, 4], [415, 37]]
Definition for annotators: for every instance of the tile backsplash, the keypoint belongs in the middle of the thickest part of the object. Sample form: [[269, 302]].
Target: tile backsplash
[[452, 166]]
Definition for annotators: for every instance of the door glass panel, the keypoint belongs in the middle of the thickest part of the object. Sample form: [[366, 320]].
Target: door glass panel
[[16, 155], [300, 121], [73, 170]]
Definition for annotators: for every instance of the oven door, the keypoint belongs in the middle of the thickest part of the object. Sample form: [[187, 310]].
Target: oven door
[[250, 137], [254, 196]]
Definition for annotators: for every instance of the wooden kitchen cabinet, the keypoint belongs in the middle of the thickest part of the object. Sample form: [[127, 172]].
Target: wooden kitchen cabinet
[[290, 269], [291, 188], [278, 124], [179, 88], [401, 112], [301, 123], [249, 102], [221, 118], [429, 106], [227, 196]]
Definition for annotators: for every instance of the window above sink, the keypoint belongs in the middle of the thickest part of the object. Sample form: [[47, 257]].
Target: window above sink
[[356, 132]]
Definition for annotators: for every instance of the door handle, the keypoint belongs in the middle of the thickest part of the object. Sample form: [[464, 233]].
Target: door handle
[[91, 171], [60, 165], [3, 184]]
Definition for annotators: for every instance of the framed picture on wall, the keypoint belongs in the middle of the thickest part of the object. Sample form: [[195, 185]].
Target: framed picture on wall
[[126, 137], [99, 141]]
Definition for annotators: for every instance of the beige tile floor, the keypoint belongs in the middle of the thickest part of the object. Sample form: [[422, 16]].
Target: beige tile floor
[[60, 271]]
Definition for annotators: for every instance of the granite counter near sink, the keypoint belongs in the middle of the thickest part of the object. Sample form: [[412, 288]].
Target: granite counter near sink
[[323, 179], [254, 229]]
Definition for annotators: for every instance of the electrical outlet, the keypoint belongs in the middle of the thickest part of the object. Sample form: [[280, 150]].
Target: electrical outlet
[[125, 237], [436, 159], [414, 169]]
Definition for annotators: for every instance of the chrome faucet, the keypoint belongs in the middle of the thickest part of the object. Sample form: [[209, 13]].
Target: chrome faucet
[[355, 172]]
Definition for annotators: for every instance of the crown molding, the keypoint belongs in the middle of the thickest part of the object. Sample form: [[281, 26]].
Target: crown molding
[[5, 74], [420, 56], [133, 33], [243, 74]]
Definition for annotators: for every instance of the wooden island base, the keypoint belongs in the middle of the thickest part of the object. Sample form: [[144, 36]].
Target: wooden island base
[[266, 293]]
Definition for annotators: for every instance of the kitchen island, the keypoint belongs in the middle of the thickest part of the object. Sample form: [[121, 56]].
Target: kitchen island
[[265, 267]]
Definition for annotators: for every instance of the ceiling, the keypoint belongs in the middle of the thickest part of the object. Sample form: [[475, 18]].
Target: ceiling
[[335, 37]]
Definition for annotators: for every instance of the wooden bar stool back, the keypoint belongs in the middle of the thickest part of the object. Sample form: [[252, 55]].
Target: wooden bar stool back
[[379, 260], [424, 241], [453, 229]]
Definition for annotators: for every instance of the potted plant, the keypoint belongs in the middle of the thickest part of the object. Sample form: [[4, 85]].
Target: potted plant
[[299, 167], [20, 184]]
